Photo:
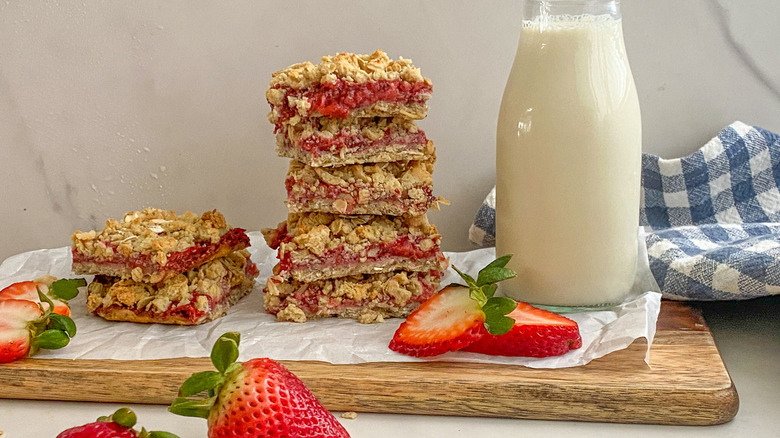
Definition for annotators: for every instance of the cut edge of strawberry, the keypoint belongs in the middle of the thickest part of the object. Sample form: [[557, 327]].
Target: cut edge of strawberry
[[58, 291], [44, 328], [448, 321]]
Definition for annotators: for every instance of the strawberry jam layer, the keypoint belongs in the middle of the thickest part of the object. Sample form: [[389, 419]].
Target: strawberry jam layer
[[185, 314], [339, 98], [402, 253], [397, 202], [120, 265], [316, 144], [188, 311]]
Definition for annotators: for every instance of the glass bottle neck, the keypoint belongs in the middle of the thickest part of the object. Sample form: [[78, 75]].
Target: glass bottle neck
[[541, 9]]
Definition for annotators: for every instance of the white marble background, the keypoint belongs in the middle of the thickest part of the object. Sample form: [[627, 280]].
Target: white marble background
[[107, 107]]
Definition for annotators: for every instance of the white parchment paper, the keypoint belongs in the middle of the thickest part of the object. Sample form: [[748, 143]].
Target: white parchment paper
[[337, 341]]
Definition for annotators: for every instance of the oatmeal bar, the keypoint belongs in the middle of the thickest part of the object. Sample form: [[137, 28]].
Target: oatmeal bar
[[349, 85], [316, 246], [194, 297], [154, 245], [394, 189], [367, 298], [327, 141]]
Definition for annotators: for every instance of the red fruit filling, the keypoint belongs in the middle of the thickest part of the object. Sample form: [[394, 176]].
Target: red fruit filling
[[403, 247], [317, 144], [338, 99], [177, 262], [351, 195]]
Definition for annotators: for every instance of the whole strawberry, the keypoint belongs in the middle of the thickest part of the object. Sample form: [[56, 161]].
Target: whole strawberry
[[117, 425], [257, 398]]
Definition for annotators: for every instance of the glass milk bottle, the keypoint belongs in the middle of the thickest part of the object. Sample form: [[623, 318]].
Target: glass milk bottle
[[568, 157]]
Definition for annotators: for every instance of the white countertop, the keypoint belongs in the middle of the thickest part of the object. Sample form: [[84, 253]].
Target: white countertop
[[747, 334]]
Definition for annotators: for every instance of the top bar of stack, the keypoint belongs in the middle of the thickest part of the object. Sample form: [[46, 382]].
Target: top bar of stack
[[357, 243], [350, 109]]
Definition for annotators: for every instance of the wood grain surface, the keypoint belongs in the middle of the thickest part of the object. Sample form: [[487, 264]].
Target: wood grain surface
[[686, 382]]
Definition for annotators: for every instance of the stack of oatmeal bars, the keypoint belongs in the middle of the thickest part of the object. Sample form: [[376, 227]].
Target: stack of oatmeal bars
[[357, 242], [154, 266]]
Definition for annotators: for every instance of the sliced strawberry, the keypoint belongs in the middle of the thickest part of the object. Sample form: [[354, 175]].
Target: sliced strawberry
[[536, 333], [16, 319], [26, 290], [448, 321], [25, 328]]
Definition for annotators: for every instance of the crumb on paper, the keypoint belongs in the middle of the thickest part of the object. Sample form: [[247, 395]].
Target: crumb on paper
[[349, 415]]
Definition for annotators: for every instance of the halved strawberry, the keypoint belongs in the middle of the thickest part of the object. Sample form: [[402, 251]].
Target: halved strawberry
[[16, 319], [472, 319], [536, 333], [457, 315], [28, 290], [25, 327], [448, 321]]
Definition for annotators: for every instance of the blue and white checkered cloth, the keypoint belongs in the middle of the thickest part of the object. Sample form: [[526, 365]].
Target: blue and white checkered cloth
[[711, 219]]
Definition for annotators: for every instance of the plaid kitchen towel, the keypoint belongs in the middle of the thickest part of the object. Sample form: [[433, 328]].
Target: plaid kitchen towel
[[711, 219]]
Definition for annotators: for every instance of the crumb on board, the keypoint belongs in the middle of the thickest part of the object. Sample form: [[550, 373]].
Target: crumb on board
[[349, 415]]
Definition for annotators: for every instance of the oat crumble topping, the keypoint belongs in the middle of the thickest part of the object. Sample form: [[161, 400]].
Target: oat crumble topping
[[398, 175], [347, 67], [151, 231], [317, 232], [371, 128]]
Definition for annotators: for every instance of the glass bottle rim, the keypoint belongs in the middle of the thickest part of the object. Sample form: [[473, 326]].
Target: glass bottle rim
[[540, 8]]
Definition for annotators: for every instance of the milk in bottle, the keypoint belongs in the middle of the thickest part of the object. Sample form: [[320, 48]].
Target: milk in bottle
[[568, 158]]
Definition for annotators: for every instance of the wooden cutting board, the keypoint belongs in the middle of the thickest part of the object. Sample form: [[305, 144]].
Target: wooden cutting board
[[685, 384]]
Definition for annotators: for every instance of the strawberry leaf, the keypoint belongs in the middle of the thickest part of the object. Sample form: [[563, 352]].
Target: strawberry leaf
[[124, 417], [45, 299], [161, 434], [478, 295], [502, 305], [494, 275], [192, 408], [499, 262], [225, 351], [499, 325], [62, 322], [489, 290], [483, 289], [52, 339], [470, 282], [496, 321], [66, 289], [200, 382]]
